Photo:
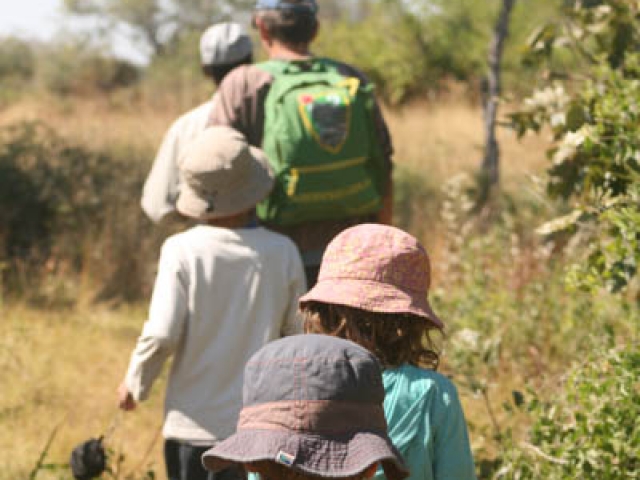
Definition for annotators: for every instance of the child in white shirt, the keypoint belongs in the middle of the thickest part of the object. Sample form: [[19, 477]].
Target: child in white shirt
[[224, 289]]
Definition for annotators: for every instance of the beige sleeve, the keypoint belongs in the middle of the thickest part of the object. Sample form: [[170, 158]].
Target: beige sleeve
[[163, 330], [241, 102], [145, 366], [161, 186]]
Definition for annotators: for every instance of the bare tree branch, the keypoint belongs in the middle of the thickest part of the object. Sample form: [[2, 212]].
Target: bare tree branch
[[491, 161]]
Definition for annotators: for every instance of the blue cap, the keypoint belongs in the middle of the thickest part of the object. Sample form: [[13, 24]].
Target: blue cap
[[305, 6]]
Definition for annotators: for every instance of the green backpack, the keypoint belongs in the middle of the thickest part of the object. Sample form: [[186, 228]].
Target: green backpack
[[320, 138]]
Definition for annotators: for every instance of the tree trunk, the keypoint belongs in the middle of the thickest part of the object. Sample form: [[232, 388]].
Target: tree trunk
[[491, 162]]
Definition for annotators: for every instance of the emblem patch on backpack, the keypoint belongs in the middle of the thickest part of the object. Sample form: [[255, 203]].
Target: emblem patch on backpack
[[326, 115]]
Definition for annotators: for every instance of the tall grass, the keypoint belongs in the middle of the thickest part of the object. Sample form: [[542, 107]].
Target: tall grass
[[62, 368], [446, 138]]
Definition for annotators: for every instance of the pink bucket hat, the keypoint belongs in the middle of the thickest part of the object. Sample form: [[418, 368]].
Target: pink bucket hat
[[376, 268]]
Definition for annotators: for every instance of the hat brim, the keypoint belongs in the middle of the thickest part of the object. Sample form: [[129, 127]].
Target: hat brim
[[371, 296], [311, 454], [260, 184]]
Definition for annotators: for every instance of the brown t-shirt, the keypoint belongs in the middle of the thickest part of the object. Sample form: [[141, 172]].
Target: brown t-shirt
[[240, 104]]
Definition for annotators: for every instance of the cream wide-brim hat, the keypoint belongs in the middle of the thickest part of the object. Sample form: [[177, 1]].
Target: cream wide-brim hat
[[222, 175]]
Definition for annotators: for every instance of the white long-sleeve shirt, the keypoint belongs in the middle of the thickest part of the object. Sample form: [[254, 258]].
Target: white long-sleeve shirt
[[219, 296], [162, 185]]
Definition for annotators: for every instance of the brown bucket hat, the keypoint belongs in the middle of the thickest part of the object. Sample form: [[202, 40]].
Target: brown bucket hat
[[315, 404], [222, 175]]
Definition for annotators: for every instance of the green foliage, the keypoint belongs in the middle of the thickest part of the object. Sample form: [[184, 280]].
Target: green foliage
[[66, 209], [67, 66], [16, 60], [413, 49], [591, 430], [157, 22], [596, 156], [504, 288], [595, 31], [74, 66], [396, 61], [458, 35], [500, 290], [17, 67]]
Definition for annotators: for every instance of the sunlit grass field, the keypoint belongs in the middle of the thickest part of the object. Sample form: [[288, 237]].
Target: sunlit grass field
[[442, 139], [60, 372]]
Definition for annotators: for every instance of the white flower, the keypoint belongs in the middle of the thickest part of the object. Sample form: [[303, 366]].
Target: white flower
[[552, 98], [558, 119], [468, 338], [570, 144]]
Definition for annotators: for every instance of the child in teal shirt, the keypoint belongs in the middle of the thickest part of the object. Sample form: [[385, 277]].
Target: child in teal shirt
[[372, 289]]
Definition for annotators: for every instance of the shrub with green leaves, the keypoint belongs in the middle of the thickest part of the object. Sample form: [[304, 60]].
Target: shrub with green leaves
[[17, 61], [596, 153], [75, 66], [65, 209], [590, 430], [510, 321], [17, 68], [413, 49]]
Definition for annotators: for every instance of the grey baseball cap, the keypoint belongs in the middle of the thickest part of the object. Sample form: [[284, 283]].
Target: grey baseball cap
[[313, 403], [222, 175], [224, 43]]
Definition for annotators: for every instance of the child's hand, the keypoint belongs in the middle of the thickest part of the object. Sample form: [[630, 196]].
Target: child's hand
[[125, 399]]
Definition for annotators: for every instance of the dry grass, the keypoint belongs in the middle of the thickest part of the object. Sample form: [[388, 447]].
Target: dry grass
[[445, 139], [63, 368], [442, 138], [97, 123]]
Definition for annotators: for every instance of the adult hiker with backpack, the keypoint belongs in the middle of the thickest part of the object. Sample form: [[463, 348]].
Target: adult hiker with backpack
[[320, 126]]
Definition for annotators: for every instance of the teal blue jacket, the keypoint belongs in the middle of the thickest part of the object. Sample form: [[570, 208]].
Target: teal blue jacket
[[426, 423]]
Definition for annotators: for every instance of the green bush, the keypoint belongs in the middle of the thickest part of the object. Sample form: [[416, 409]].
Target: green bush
[[17, 60], [502, 285], [413, 49], [510, 320], [409, 59], [396, 61], [75, 67], [66, 210], [590, 430], [596, 125], [17, 68]]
